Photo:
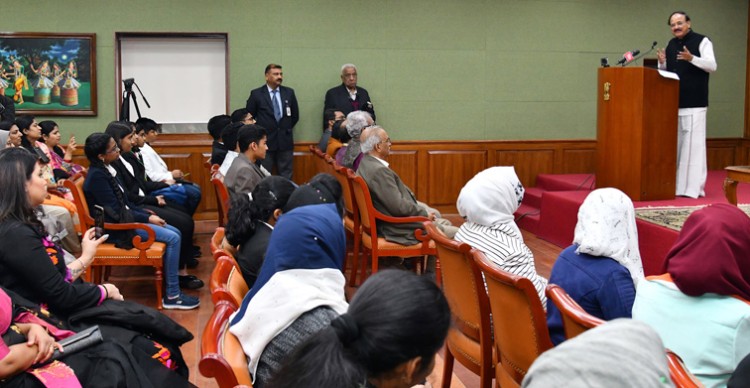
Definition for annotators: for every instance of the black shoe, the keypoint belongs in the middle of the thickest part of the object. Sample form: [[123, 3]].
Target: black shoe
[[192, 263], [190, 282]]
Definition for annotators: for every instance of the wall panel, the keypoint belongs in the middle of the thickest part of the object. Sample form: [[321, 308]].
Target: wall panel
[[448, 171], [436, 171]]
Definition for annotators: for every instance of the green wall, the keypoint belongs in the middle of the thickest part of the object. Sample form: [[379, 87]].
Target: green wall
[[437, 69]]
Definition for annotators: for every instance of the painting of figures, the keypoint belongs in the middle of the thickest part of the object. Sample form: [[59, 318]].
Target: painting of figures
[[49, 74]]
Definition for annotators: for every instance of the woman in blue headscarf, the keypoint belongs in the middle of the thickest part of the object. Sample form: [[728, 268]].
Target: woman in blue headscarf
[[299, 291]]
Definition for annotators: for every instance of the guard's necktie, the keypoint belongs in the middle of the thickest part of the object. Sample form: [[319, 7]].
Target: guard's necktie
[[276, 105]]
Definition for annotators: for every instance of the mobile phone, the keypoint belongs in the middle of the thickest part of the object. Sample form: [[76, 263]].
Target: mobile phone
[[99, 222]]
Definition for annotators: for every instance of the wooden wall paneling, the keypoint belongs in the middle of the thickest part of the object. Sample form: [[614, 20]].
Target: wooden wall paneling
[[528, 163], [577, 161], [720, 157], [203, 178], [743, 156], [448, 172], [405, 163], [435, 170], [303, 166]]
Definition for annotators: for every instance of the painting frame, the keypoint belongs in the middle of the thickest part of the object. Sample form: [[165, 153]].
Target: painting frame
[[55, 73]]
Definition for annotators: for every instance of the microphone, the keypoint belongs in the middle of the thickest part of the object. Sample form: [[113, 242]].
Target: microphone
[[653, 46], [628, 56]]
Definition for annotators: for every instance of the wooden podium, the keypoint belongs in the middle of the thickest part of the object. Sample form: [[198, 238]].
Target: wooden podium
[[636, 123]]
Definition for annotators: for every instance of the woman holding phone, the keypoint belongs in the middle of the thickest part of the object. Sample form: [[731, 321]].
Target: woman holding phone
[[104, 188]]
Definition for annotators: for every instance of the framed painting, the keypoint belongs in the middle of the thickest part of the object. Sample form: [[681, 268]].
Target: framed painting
[[49, 74]]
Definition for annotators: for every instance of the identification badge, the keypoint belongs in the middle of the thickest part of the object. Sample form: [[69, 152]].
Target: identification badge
[[288, 111]]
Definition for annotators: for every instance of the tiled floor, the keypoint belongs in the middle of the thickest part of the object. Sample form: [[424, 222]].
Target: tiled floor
[[136, 284]]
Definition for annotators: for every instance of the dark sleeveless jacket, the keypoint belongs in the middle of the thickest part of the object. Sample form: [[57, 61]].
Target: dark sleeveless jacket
[[693, 80]]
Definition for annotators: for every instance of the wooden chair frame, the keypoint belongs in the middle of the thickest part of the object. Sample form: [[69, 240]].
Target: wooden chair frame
[[679, 373], [145, 253], [574, 318], [222, 357], [471, 317], [513, 363], [352, 223], [222, 196], [370, 240], [227, 283]]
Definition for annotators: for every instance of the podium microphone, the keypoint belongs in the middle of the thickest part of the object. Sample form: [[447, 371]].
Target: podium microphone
[[628, 56], [653, 46]]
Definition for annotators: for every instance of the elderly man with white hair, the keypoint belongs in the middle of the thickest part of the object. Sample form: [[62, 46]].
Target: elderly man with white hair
[[390, 195], [348, 97]]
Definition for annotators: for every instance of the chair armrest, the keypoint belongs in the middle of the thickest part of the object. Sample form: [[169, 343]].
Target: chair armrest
[[399, 220], [55, 191], [137, 240]]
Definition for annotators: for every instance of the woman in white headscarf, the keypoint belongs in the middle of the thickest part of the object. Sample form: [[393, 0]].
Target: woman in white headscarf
[[487, 203], [603, 266]]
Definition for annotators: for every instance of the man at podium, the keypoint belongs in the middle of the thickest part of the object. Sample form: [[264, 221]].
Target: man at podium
[[691, 56]]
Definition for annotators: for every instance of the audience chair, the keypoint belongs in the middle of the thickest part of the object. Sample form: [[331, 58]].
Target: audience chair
[[378, 246], [144, 253], [470, 338], [518, 320], [222, 197], [351, 219], [320, 160], [222, 357], [227, 283], [217, 240], [678, 372], [574, 318]]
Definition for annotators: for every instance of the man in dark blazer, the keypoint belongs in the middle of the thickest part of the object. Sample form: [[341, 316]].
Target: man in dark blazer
[[390, 195], [275, 109], [348, 97]]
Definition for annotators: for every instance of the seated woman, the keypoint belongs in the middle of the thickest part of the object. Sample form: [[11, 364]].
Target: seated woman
[[251, 222], [102, 187], [31, 139], [11, 134], [487, 203], [621, 353], [701, 306], [28, 341], [60, 160], [299, 290], [389, 336], [127, 171], [602, 267], [30, 263]]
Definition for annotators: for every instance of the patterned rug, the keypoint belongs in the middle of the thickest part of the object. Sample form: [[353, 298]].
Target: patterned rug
[[673, 217]]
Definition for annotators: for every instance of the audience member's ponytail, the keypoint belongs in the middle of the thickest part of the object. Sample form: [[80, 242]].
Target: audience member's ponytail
[[395, 316], [245, 213]]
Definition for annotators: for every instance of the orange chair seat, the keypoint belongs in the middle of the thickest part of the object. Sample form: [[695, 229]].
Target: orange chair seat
[[467, 347], [109, 251], [385, 245]]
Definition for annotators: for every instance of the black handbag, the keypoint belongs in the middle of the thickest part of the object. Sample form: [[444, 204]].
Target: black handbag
[[77, 342]]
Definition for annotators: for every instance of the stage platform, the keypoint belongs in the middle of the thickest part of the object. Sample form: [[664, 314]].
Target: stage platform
[[550, 210]]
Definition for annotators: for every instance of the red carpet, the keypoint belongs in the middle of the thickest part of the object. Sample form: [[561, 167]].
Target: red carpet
[[551, 212]]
